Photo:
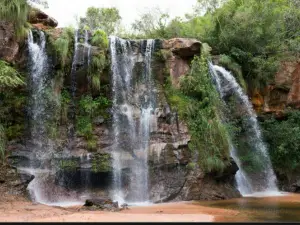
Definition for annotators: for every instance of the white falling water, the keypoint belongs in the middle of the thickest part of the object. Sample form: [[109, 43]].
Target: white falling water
[[72, 112], [38, 72], [42, 188], [37, 107], [88, 46], [133, 109], [247, 183]]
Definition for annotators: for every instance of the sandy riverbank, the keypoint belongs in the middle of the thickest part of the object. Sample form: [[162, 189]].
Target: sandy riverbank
[[21, 210], [278, 208]]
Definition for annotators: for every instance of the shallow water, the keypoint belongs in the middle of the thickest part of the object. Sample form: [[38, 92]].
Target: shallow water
[[282, 208]]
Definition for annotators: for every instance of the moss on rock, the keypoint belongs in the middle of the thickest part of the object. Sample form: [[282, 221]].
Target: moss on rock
[[101, 162]]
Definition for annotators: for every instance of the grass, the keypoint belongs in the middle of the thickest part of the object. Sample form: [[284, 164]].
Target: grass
[[16, 12], [198, 104]]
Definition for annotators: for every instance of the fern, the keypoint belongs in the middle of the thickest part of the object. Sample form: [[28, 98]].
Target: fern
[[62, 44], [9, 77], [98, 62]]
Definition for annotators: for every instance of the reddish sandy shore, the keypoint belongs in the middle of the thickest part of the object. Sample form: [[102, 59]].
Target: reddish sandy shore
[[25, 211], [21, 210]]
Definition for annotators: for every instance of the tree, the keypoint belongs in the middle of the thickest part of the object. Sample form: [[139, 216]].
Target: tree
[[44, 3], [152, 24], [204, 6], [106, 19]]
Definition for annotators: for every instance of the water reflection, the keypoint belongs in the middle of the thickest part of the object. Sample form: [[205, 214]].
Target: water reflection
[[261, 209]]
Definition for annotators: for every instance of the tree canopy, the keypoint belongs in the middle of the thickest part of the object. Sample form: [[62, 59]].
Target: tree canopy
[[106, 19]]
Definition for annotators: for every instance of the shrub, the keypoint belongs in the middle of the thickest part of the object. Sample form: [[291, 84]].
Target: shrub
[[284, 141], [198, 103], [100, 39], [9, 77]]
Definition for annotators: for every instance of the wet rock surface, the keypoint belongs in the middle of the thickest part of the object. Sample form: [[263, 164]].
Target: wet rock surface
[[102, 204], [168, 153]]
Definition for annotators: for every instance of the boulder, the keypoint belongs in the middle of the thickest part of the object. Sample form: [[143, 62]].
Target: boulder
[[182, 51], [183, 47], [102, 204], [39, 17]]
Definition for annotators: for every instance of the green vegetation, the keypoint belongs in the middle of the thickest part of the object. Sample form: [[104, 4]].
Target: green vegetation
[[98, 61], [284, 141], [63, 45], [68, 164], [65, 100], [198, 103], [151, 24], [11, 104], [16, 12], [88, 110], [255, 35], [101, 163], [100, 39], [2, 143], [106, 19], [235, 68], [9, 77]]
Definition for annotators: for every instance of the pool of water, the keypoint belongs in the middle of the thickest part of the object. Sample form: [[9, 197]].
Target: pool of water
[[281, 208]]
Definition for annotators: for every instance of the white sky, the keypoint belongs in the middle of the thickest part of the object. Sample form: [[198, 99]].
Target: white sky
[[64, 11]]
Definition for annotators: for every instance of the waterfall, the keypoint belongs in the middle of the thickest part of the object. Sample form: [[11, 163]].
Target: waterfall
[[37, 108], [37, 111], [248, 182], [72, 110], [133, 109], [87, 46], [42, 188]]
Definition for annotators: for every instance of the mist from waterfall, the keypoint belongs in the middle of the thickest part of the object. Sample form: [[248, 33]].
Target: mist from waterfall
[[248, 182], [133, 111]]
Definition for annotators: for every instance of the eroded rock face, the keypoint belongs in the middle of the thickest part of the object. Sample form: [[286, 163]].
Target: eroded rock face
[[200, 186], [9, 47], [39, 17], [294, 94], [183, 47], [168, 153], [283, 93], [183, 50]]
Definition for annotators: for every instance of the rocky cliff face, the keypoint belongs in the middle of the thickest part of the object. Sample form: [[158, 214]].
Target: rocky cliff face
[[283, 92], [169, 155], [9, 47]]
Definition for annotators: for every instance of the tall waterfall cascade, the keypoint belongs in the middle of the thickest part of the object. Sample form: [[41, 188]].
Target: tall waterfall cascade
[[249, 183], [38, 114], [44, 188], [133, 116]]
